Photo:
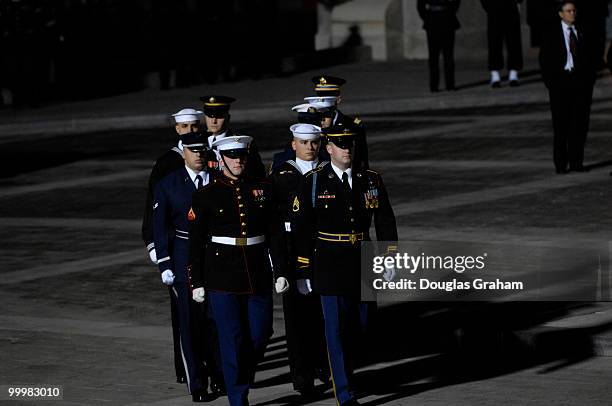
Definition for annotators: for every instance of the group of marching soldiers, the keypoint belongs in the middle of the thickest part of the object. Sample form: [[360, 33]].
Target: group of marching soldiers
[[224, 234]]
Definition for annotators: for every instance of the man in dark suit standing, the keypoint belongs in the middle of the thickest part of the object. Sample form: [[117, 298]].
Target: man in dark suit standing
[[440, 21], [568, 68]]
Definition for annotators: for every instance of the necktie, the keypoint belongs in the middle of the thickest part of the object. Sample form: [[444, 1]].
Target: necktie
[[573, 44], [345, 184], [199, 182]]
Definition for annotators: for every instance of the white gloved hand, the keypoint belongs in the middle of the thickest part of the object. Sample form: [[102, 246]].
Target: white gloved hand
[[167, 277], [282, 284], [389, 273], [198, 295], [303, 286], [153, 256]]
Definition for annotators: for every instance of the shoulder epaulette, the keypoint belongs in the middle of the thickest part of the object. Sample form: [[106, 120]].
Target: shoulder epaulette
[[371, 171], [357, 120]]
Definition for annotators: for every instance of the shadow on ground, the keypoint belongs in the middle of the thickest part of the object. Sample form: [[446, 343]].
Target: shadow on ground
[[452, 343]]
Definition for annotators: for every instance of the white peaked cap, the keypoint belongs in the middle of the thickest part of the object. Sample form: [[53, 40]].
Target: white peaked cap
[[187, 116], [306, 132], [232, 142], [323, 101], [305, 107]]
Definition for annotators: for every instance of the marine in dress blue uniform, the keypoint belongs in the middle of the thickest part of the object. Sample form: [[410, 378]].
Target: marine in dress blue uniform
[[186, 120], [302, 309], [234, 231], [333, 211], [172, 197]]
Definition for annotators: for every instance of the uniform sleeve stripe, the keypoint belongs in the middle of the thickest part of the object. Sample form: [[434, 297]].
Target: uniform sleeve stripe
[[150, 246], [159, 261], [303, 260]]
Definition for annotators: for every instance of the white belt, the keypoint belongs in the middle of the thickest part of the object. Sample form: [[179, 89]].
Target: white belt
[[238, 241]]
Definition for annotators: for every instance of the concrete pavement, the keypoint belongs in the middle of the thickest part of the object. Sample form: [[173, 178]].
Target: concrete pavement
[[82, 307]]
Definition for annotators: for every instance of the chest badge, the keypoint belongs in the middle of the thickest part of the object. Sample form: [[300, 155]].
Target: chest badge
[[191, 215], [371, 199], [326, 195], [258, 195], [296, 204]]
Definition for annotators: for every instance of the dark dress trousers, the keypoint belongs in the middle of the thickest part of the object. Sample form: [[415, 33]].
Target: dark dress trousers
[[570, 93], [504, 25], [440, 22], [303, 315]]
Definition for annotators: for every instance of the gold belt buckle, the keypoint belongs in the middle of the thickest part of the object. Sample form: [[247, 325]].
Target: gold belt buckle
[[353, 238], [241, 241]]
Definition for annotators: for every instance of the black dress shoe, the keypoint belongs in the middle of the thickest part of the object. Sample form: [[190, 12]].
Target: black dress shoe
[[200, 396], [181, 379], [308, 393], [217, 389], [514, 83], [561, 171], [496, 84], [351, 402]]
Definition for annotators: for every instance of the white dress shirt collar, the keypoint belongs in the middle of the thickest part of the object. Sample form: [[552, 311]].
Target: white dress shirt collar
[[305, 166], [339, 173], [213, 138], [193, 174]]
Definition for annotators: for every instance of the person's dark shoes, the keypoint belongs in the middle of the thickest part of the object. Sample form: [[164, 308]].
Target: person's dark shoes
[[562, 171], [351, 402], [181, 379], [451, 89], [496, 84], [434, 90], [200, 396], [217, 389], [514, 83], [308, 392]]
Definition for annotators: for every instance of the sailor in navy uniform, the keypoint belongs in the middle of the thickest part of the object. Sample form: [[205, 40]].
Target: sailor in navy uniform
[[172, 197], [186, 121], [217, 118], [326, 85], [302, 309], [234, 232], [332, 213], [308, 113]]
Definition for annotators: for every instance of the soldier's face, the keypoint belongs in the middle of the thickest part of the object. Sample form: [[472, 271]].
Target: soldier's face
[[215, 125], [568, 14], [235, 165], [185, 128], [194, 160], [341, 157], [326, 122], [306, 150]]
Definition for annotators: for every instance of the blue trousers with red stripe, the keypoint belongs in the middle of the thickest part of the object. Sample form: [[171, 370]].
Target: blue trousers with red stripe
[[244, 324]]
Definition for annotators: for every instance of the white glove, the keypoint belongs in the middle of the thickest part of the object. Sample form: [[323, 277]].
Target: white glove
[[167, 277], [389, 274], [198, 295], [303, 286], [153, 256], [282, 284]]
